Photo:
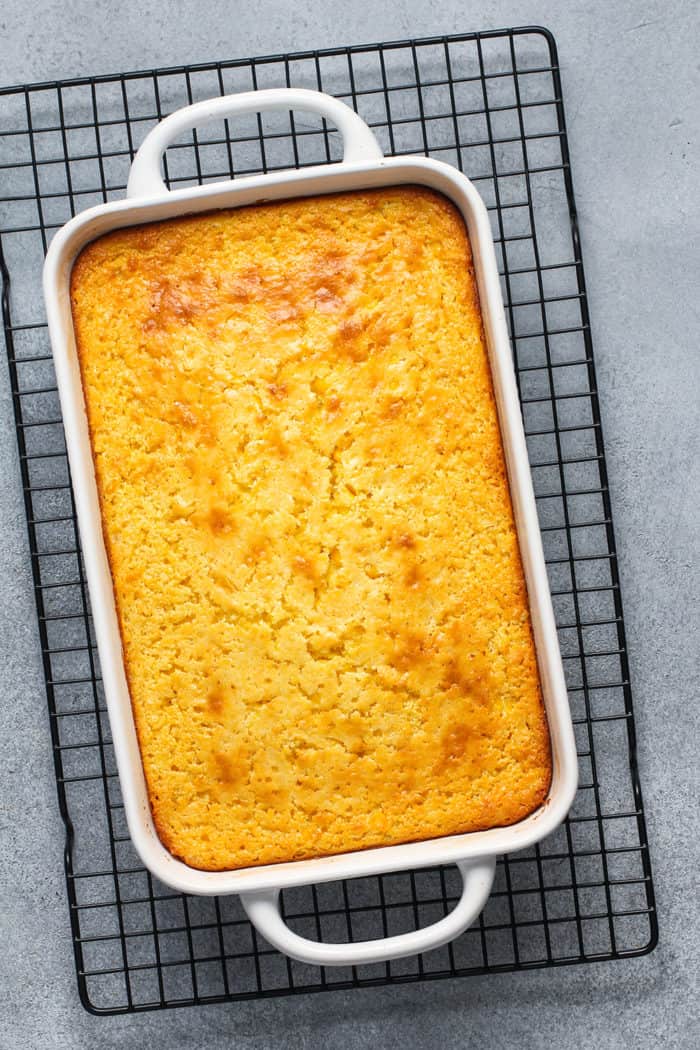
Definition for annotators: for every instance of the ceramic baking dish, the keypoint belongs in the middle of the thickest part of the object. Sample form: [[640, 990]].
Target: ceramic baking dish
[[148, 200]]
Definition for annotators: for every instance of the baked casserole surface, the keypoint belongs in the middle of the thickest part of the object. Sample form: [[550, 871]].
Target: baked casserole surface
[[322, 605]]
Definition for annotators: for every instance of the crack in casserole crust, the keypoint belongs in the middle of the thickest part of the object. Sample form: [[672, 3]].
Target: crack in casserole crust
[[322, 605]]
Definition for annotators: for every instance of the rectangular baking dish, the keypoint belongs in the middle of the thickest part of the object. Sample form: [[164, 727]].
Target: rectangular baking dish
[[148, 200]]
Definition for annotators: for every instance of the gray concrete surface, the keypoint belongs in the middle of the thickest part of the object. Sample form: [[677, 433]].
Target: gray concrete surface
[[632, 91]]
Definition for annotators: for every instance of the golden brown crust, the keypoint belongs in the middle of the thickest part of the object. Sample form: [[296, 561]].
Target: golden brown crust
[[322, 606]]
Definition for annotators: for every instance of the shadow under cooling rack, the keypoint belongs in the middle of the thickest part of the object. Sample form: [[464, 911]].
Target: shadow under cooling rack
[[490, 104]]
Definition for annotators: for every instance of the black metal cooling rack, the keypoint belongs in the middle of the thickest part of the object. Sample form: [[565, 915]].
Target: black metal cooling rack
[[490, 103]]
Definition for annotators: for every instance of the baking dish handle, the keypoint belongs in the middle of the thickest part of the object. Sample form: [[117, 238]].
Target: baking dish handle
[[262, 908], [146, 179]]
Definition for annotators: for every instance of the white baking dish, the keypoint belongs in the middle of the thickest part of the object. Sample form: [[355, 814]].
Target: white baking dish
[[148, 200]]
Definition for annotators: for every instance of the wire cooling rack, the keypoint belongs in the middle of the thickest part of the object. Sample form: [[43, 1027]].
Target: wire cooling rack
[[491, 104]]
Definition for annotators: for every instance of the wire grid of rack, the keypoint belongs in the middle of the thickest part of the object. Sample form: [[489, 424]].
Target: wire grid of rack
[[491, 104]]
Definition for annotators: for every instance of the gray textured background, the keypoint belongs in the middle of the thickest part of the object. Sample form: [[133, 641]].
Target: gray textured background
[[632, 92]]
